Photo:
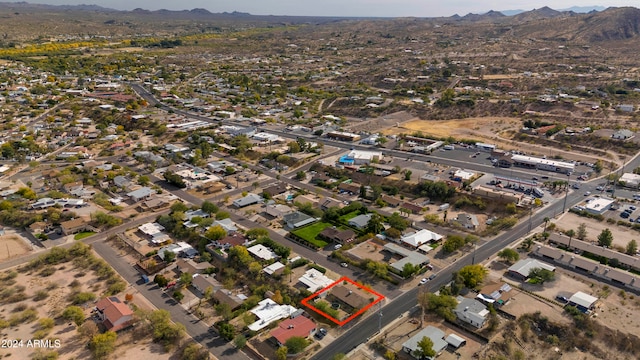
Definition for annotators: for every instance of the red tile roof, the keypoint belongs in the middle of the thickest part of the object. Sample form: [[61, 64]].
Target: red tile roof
[[113, 310], [298, 326]]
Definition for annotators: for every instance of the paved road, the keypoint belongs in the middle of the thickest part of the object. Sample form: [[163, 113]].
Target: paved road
[[195, 328]]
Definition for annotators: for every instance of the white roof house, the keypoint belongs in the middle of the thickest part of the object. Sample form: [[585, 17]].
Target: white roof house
[[522, 268], [314, 280], [250, 199], [455, 340], [269, 311], [262, 252], [273, 268], [471, 311], [436, 335], [151, 229], [421, 237], [584, 302]]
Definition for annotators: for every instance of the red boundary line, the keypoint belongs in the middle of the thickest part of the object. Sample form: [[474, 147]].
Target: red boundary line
[[306, 303]]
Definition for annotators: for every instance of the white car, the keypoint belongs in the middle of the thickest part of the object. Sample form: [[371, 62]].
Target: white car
[[587, 193], [344, 264], [423, 281]]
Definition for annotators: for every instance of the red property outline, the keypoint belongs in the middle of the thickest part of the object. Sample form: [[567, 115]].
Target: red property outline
[[306, 303]]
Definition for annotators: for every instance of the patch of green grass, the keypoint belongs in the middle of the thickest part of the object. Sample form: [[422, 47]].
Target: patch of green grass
[[310, 233], [82, 235], [346, 217]]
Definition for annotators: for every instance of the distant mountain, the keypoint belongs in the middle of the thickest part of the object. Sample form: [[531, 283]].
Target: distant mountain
[[611, 24], [584, 9], [512, 12], [575, 9], [491, 15], [539, 14]]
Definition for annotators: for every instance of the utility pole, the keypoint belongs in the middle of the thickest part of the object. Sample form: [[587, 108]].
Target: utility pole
[[564, 205], [380, 317]]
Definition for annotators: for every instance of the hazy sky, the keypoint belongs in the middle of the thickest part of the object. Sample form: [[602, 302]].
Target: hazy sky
[[387, 8]]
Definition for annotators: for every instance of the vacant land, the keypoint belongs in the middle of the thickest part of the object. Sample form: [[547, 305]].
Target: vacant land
[[13, 245]]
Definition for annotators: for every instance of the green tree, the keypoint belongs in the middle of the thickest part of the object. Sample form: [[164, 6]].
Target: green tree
[[178, 295], [194, 351], [103, 344], [240, 256], [396, 221], [215, 233], [473, 275], [240, 341], [143, 180], [301, 175], [442, 305], [632, 247], [209, 207], [407, 175], [163, 329], [256, 233], [374, 226], [227, 331], [223, 310], [296, 344], [74, 313], [541, 275], [425, 348], [605, 238], [281, 353], [570, 233], [582, 231], [453, 243], [169, 256], [186, 278], [509, 255], [161, 280]]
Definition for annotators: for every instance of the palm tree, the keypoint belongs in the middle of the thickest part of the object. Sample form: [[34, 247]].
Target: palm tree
[[570, 233], [546, 221]]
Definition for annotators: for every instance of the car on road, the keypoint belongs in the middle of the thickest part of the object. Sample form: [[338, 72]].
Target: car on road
[[632, 207], [344, 264], [337, 247], [599, 187], [587, 193], [423, 281], [433, 276], [534, 178]]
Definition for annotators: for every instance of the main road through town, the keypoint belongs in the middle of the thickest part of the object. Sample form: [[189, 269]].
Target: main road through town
[[362, 329]]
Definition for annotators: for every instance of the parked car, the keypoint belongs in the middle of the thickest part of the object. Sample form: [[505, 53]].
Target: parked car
[[423, 281], [562, 299], [321, 333], [344, 264]]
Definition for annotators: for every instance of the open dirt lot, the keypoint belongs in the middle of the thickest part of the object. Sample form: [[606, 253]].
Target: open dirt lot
[[621, 234], [65, 280], [13, 245]]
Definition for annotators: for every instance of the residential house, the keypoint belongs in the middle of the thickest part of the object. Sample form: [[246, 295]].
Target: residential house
[[522, 268], [227, 224], [71, 187], [623, 134], [468, 221], [355, 299], [350, 188], [250, 199], [390, 200], [314, 280], [299, 326], [319, 178], [336, 235], [233, 239], [75, 226], [434, 334], [275, 268], [192, 267], [277, 211], [268, 311], [360, 222], [114, 314], [224, 296], [329, 203], [471, 312], [582, 301], [38, 227], [202, 282], [274, 190], [262, 252], [122, 182], [417, 239], [411, 207], [140, 194], [298, 219]]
